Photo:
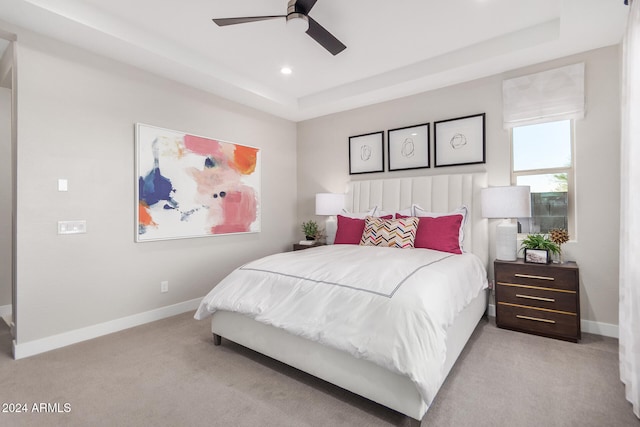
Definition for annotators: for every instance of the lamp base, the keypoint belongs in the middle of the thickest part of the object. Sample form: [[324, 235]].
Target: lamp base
[[507, 241], [331, 228]]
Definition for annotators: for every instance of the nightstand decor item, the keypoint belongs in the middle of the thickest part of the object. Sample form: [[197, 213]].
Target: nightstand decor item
[[330, 204], [506, 203], [534, 245], [559, 236], [537, 256], [311, 230]]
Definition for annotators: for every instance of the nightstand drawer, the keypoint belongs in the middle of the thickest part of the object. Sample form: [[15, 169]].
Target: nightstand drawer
[[535, 275], [537, 321], [534, 296]]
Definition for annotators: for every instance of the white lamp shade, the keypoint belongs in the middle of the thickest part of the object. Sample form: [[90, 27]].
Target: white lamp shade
[[506, 202], [329, 203]]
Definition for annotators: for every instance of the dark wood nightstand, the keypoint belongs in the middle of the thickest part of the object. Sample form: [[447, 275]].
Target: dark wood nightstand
[[541, 299], [299, 247]]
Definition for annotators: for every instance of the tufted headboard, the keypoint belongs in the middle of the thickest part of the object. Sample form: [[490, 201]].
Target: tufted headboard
[[435, 193]]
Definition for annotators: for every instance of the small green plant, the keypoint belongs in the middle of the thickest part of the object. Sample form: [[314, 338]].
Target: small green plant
[[540, 241], [310, 229]]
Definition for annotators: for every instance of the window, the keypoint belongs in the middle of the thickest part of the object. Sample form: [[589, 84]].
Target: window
[[542, 157]]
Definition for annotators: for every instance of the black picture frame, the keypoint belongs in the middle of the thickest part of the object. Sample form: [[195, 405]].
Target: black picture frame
[[409, 147], [459, 141], [366, 153], [537, 256]]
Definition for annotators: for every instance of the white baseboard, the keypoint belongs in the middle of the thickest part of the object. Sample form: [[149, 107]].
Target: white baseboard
[[53, 342], [598, 328], [5, 310], [587, 326], [6, 314], [491, 310], [31, 348]]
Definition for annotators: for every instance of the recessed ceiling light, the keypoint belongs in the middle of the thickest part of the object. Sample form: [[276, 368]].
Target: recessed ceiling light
[[286, 70]]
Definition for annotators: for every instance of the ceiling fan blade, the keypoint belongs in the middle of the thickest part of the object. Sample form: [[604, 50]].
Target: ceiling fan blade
[[304, 6], [324, 37], [221, 22]]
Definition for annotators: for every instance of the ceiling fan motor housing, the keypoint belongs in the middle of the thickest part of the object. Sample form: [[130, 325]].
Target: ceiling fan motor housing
[[293, 7], [297, 17]]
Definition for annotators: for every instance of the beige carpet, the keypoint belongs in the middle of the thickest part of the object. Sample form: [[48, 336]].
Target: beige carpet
[[168, 373]]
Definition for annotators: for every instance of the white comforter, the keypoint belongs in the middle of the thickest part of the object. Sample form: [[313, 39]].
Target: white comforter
[[390, 306]]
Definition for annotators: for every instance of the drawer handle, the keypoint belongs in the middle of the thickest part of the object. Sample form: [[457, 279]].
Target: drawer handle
[[529, 276], [537, 319], [536, 298]]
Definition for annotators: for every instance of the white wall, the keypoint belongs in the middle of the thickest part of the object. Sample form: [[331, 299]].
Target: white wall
[[76, 116], [323, 160]]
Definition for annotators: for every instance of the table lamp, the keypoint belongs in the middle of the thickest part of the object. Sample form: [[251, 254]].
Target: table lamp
[[330, 204], [506, 203]]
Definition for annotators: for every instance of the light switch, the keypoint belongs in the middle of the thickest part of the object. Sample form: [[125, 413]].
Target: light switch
[[63, 185], [72, 227]]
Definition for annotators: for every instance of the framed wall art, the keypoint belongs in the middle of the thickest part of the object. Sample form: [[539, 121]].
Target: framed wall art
[[408, 147], [192, 186], [366, 153], [537, 256], [459, 141]]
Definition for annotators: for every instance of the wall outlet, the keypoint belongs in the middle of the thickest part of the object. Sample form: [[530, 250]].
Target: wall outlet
[[72, 227], [164, 286]]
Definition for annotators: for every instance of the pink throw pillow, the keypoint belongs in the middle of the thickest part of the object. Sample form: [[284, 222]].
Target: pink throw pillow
[[350, 230], [439, 233]]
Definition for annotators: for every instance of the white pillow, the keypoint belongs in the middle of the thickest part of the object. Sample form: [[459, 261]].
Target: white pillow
[[376, 212], [462, 210], [359, 215], [405, 212], [380, 213]]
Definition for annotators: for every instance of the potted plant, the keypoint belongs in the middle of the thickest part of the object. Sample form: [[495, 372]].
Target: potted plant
[[311, 230], [537, 248]]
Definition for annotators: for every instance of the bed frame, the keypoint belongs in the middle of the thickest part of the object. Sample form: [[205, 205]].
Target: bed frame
[[438, 193]]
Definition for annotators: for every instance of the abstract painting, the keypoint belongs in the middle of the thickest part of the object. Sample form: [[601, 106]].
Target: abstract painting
[[366, 153], [191, 186], [408, 147], [459, 141]]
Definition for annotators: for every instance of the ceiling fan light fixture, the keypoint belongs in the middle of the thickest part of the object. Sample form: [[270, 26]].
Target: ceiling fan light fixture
[[298, 22]]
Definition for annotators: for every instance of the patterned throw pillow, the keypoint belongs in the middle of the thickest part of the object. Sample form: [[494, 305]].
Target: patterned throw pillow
[[394, 233]]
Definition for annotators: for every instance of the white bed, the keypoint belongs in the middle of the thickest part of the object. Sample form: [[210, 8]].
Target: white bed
[[440, 193]]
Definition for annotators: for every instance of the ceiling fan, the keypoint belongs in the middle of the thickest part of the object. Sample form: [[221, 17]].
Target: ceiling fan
[[297, 12]]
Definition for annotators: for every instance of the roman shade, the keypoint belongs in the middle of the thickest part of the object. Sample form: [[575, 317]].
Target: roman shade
[[556, 94]]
